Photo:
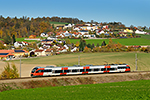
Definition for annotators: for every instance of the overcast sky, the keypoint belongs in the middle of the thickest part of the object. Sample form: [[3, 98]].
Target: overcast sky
[[129, 12]]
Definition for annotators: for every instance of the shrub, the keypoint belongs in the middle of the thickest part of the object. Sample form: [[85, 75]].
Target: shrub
[[86, 50], [9, 72]]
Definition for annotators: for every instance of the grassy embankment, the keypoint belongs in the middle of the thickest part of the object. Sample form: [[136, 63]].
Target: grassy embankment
[[133, 90], [93, 58]]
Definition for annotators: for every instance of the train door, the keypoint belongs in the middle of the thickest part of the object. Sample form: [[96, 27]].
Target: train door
[[64, 71], [106, 69]]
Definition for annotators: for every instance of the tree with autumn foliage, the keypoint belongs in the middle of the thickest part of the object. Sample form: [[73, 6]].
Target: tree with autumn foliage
[[111, 45], [86, 50], [9, 72]]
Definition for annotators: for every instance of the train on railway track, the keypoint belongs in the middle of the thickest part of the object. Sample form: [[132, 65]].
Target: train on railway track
[[76, 70]]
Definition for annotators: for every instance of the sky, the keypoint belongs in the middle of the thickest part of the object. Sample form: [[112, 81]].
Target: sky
[[128, 12]]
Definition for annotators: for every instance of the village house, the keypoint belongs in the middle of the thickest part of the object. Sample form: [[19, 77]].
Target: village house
[[140, 32], [68, 26], [59, 27], [39, 52], [32, 36], [46, 41], [44, 35], [18, 53], [6, 54], [18, 44], [122, 34], [48, 52], [11, 54], [128, 30]]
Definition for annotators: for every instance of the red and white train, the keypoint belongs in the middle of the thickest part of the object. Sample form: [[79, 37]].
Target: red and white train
[[74, 70]]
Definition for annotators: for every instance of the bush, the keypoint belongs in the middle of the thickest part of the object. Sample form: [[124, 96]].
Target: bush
[[9, 72]]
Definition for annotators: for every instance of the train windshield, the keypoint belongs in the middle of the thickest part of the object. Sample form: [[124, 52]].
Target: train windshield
[[34, 70]]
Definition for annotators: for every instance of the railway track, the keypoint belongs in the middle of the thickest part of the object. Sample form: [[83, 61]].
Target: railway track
[[69, 76]]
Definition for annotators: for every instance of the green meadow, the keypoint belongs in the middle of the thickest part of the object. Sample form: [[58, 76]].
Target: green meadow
[[129, 90], [144, 40], [125, 41]]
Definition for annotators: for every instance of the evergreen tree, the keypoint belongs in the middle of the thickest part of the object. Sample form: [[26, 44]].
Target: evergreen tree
[[97, 45], [81, 46], [89, 45], [92, 46], [13, 39], [103, 43]]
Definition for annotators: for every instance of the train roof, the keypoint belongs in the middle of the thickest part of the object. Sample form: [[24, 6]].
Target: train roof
[[78, 66]]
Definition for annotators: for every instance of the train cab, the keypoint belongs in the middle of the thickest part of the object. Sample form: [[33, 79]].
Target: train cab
[[36, 71]]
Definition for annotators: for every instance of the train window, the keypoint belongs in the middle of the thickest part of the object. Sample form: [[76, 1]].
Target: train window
[[75, 70], [96, 69], [111, 69], [34, 70], [89, 70], [39, 71], [122, 67], [58, 71], [66, 71], [103, 69], [47, 70], [81, 70]]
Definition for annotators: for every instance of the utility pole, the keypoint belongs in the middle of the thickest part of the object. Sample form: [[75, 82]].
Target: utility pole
[[20, 66], [78, 60], [136, 62]]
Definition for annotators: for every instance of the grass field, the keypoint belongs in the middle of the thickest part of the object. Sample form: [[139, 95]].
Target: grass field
[[126, 41], [58, 23], [23, 39], [129, 90], [93, 58]]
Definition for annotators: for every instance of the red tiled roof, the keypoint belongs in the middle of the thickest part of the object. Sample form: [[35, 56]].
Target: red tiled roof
[[38, 50], [3, 55], [10, 54], [48, 50], [6, 51]]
